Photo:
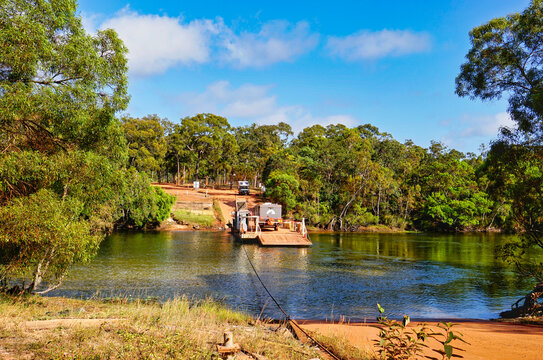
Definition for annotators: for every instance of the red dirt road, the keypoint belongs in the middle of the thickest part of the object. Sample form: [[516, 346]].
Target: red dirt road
[[225, 197]]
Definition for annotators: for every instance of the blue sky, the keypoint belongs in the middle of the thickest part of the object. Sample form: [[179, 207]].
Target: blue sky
[[388, 63]]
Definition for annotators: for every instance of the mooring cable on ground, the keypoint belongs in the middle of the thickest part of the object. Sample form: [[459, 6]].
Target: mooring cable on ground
[[289, 319]]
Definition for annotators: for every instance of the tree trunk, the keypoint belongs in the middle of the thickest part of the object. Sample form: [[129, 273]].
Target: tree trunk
[[378, 201], [177, 178], [37, 276], [41, 269], [406, 209], [50, 288], [346, 207], [198, 167]]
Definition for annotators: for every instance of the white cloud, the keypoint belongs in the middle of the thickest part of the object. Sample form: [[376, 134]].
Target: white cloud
[[156, 43], [366, 45], [486, 125], [277, 41], [478, 128], [254, 103], [89, 22]]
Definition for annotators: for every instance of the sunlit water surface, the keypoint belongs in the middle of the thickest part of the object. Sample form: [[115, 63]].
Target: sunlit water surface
[[342, 274]]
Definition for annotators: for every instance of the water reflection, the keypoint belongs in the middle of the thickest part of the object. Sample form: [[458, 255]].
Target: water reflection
[[342, 274]]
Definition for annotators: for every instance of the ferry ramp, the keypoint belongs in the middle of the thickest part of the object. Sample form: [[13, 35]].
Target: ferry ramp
[[282, 237]]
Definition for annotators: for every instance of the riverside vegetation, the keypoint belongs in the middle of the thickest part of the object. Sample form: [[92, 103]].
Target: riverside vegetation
[[396, 341], [64, 182]]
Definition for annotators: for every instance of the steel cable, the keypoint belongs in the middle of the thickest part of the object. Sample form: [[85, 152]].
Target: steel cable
[[289, 319]]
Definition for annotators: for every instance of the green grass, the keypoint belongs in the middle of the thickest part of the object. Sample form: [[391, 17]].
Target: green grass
[[192, 218], [218, 211]]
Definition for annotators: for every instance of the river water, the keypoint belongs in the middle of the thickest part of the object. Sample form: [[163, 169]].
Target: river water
[[342, 274]]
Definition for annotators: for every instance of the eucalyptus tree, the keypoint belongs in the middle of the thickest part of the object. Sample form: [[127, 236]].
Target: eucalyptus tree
[[146, 140], [62, 149], [206, 136], [59, 87], [177, 153], [257, 144], [506, 60]]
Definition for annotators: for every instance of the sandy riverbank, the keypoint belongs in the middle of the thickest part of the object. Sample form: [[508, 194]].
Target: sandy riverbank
[[488, 339]]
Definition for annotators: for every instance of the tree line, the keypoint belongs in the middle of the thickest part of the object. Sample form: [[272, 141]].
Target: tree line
[[336, 177]]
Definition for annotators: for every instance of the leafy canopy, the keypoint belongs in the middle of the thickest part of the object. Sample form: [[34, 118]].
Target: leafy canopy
[[147, 144], [59, 86], [506, 58], [62, 151], [207, 137], [41, 235]]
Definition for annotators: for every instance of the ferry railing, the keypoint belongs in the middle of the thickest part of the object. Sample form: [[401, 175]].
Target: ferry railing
[[252, 226], [257, 226], [297, 226]]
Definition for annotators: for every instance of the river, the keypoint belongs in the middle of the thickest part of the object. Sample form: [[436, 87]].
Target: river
[[342, 274]]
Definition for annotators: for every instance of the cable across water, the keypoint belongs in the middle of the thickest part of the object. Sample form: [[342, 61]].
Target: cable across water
[[289, 319]]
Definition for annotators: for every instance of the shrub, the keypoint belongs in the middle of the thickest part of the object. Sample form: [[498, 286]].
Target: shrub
[[397, 342], [41, 235]]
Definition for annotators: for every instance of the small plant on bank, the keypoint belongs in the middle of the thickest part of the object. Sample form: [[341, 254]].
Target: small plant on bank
[[396, 341], [446, 337]]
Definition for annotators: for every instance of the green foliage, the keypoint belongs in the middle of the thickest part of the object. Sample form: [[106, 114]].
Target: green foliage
[[58, 84], [361, 216], [334, 176], [397, 341], [282, 188], [41, 235], [62, 151], [141, 204], [505, 58], [452, 198], [458, 206], [515, 173], [146, 142], [163, 203], [207, 137], [257, 144]]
